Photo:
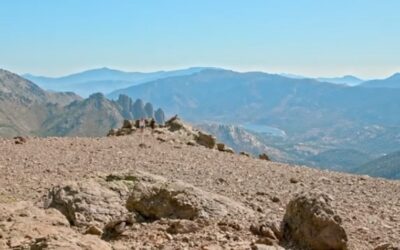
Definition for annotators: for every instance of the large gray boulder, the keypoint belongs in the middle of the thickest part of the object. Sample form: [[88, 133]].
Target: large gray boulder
[[109, 201], [154, 197], [90, 202], [24, 226], [311, 223]]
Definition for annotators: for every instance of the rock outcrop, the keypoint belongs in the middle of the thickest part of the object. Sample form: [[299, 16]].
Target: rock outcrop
[[206, 140], [24, 226], [138, 109], [126, 103], [311, 223], [159, 116], [154, 197], [264, 156], [149, 110], [109, 204], [89, 202]]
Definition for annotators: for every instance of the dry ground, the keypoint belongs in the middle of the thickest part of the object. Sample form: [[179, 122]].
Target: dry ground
[[369, 207]]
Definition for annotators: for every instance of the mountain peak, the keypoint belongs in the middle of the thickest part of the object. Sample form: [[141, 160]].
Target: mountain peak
[[97, 96], [395, 76]]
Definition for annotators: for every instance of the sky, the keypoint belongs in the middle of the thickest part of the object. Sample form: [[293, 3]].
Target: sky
[[305, 37]]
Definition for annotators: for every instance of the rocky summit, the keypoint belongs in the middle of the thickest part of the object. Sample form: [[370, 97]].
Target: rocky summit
[[171, 186]]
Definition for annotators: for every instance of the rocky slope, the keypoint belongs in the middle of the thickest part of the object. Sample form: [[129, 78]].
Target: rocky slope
[[387, 166], [154, 190], [26, 109], [317, 117], [242, 140], [24, 106]]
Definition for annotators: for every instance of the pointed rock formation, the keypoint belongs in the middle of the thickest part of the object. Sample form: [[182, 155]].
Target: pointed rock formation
[[160, 116]]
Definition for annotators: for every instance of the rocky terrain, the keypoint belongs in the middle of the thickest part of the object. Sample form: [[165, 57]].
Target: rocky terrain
[[172, 188]]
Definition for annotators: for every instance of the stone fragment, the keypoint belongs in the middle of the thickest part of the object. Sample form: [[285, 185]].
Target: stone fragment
[[311, 223]]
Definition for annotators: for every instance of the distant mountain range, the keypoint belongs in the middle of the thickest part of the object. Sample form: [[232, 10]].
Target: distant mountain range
[[319, 118], [387, 166], [26, 109], [347, 80], [391, 82], [103, 80], [316, 123]]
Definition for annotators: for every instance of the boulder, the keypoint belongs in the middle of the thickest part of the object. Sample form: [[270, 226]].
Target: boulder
[[229, 150], [113, 202], [264, 156], [183, 227], [20, 140], [128, 124], [245, 154], [175, 124], [206, 140], [221, 146], [154, 197], [90, 202], [28, 227], [112, 132], [311, 223]]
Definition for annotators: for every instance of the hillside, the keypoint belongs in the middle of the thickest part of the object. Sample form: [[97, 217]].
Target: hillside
[[24, 106], [315, 116], [93, 116], [259, 97], [103, 80], [26, 109], [387, 166], [392, 82], [242, 140], [339, 160], [119, 191]]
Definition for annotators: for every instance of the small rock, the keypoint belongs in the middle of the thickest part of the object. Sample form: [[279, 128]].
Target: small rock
[[20, 140], [183, 227], [221, 146], [229, 150], [94, 230], [258, 246], [275, 199], [120, 228], [245, 154], [387, 246], [206, 140], [294, 180], [264, 156]]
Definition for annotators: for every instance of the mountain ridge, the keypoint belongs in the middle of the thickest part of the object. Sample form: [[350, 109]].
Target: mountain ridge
[[103, 80], [392, 81], [26, 109]]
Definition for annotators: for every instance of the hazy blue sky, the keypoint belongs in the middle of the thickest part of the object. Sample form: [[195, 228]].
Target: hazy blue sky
[[309, 37]]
